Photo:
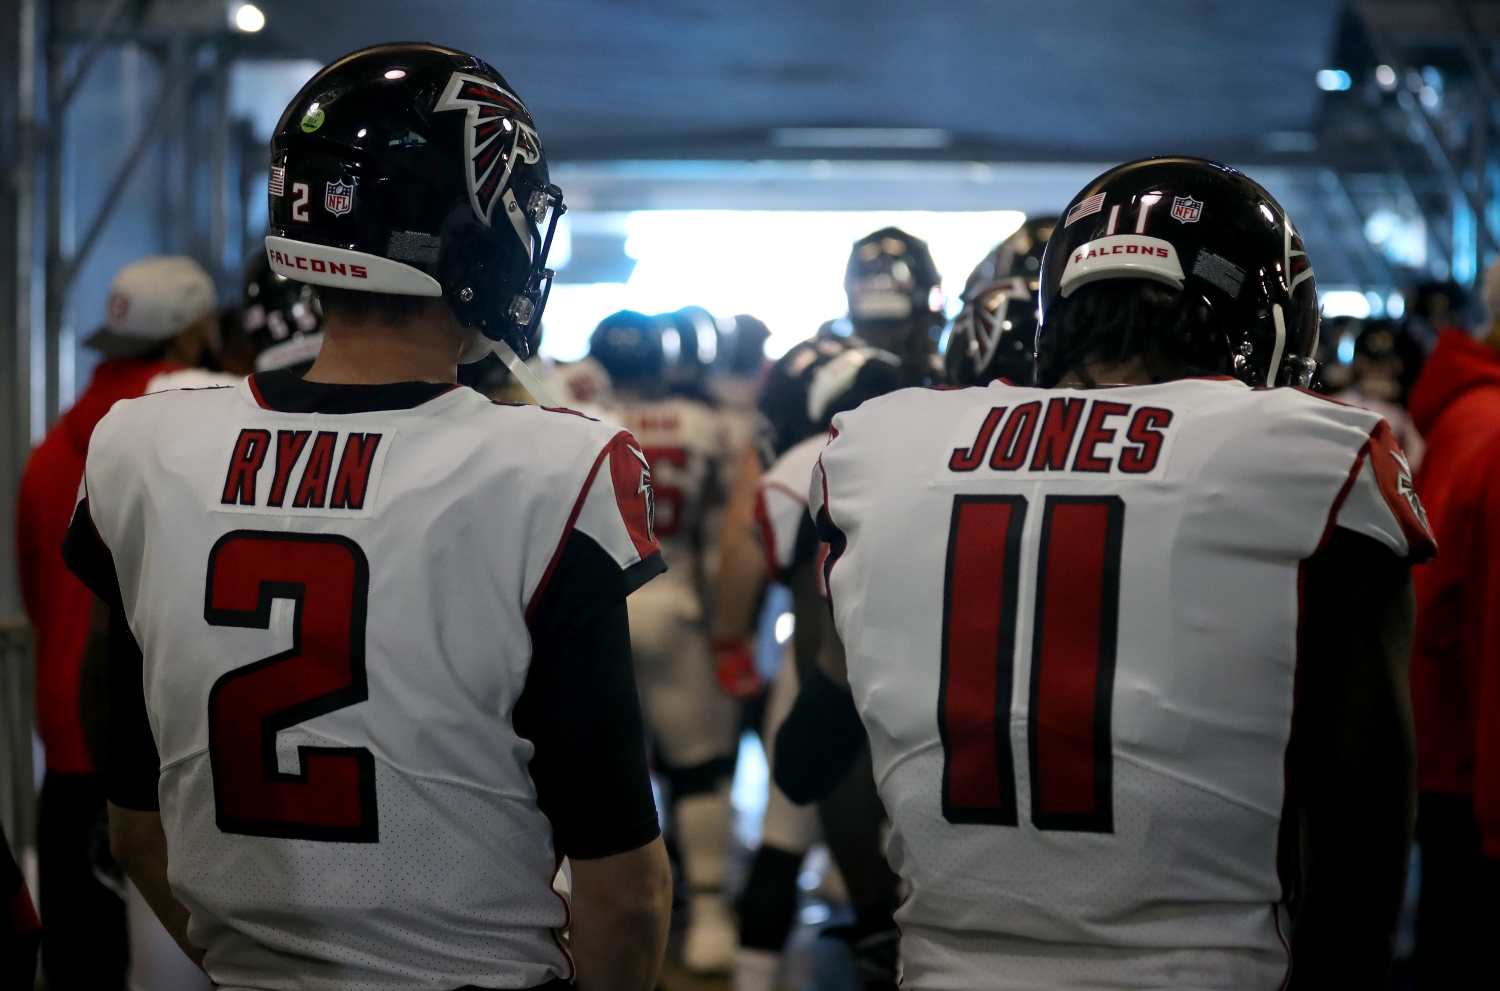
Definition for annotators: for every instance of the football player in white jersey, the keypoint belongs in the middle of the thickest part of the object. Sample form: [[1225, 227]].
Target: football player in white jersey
[[369, 667], [692, 722], [1130, 648]]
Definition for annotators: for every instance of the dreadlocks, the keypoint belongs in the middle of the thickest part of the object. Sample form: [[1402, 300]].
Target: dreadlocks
[[1112, 321]]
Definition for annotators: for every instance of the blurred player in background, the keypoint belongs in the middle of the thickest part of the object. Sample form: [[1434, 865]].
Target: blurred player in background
[[691, 722], [582, 385], [895, 304], [742, 357], [1375, 385], [993, 336], [282, 319], [1130, 647], [788, 549]]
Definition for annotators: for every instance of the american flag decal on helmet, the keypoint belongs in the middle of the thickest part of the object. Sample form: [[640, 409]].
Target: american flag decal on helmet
[[495, 135]]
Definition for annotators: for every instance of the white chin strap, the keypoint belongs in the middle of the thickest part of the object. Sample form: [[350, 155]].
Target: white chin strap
[[1280, 347], [523, 374]]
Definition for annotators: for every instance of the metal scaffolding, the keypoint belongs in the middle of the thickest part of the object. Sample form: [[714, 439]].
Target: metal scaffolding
[[50, 51], [1423, 106]]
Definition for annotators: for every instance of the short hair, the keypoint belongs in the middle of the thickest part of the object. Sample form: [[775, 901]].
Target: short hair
[[1175, 333], [358, 306]]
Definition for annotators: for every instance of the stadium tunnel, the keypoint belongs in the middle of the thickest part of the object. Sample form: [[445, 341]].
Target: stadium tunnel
[[725, 156]]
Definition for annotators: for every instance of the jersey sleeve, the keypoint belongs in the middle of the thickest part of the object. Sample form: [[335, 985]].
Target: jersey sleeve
[[779, 512], [618, 510], [132, 762], [581, 711], [1380, 501]]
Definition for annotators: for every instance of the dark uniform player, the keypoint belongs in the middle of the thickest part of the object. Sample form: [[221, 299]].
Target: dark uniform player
[[894, 305], [282, 319], [994, 335], [788, 549], [692, 723], [892, 286], [369, 650]]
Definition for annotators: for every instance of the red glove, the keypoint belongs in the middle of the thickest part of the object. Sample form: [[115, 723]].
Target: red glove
[[735, 666]]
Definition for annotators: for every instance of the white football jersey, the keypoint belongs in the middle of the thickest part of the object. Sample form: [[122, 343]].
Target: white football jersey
[[1071, 621], [686, 443], [781, 503], [333, 613]]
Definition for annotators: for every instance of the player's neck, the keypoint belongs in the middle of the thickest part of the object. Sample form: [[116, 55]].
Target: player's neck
[[424, 349], [1105, 374]]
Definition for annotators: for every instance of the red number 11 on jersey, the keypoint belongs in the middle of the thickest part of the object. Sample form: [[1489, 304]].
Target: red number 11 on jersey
[[1077, 594]]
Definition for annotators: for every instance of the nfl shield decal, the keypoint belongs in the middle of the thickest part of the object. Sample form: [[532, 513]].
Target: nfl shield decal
[[1186, 209], [339, 199]]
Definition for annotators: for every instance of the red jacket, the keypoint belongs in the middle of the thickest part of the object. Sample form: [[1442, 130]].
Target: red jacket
[[57, 603], [1455, 665]]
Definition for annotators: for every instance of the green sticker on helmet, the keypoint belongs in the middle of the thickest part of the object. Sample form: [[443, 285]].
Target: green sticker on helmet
[[313, 119]]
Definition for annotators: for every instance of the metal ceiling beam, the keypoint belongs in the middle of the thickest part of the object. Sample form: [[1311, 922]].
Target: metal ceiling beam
[[1406, 192], [1421, 122], [1372, 261], [1475, 58], [95, 45], [170, 88]]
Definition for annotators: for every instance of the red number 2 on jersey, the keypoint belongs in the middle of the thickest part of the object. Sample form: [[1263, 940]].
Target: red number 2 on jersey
[[1072, 661], [332, 796]]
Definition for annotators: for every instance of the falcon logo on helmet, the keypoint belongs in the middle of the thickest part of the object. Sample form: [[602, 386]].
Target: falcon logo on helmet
[[495, 133]]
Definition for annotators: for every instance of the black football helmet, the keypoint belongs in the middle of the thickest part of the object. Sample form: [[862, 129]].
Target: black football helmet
[[742, 348], [781, 417], [629, 346], [890, 276], [416, 170], [697, 343], [993, 335], [281, 317], [1205, 229], [861, 372]]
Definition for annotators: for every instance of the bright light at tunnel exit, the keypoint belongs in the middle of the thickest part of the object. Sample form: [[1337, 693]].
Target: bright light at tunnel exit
[[785, 267]]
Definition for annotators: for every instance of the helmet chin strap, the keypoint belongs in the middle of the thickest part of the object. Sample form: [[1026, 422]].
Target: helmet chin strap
[[523, 374], [1280, 347]]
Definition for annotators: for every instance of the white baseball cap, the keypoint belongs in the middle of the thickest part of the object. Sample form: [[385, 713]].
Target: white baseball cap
[[152, 301]]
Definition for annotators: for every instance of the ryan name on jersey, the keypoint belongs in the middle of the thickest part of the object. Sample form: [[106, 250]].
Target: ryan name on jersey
[[336, 472]]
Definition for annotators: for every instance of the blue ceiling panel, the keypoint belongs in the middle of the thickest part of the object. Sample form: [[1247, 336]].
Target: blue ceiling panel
[[678, 78]]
